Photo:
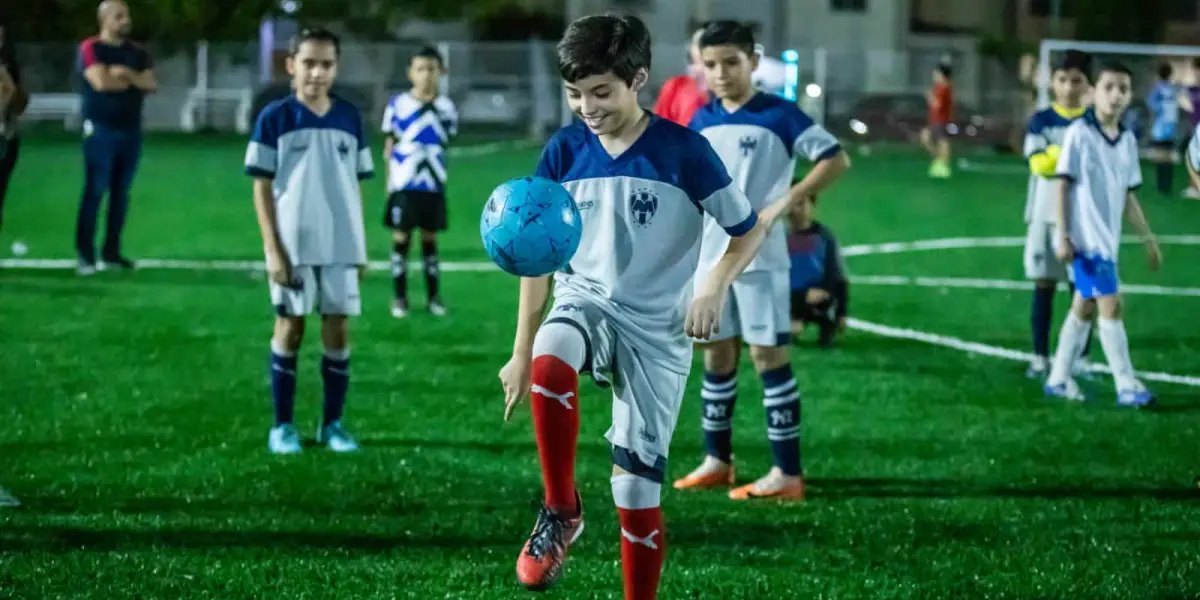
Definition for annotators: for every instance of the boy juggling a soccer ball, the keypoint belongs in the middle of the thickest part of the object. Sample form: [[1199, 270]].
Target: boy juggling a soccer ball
[[419, 124], [1100, 172], [307, 155], [758, 137], [621, 309]]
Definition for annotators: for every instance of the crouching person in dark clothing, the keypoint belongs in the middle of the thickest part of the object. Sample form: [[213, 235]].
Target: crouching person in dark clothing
[[820, 290]]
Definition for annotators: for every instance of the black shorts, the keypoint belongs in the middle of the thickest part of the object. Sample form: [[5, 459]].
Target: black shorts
[[413, 209]]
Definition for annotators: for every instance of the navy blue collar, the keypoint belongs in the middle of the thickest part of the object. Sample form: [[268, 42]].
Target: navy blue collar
[[1089, 116]]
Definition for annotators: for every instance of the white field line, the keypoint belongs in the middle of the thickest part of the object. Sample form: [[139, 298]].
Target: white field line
[[993, 242], [996, 351]]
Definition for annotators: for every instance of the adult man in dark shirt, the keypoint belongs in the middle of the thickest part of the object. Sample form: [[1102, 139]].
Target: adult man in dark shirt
[[13, 101], [117, 74]]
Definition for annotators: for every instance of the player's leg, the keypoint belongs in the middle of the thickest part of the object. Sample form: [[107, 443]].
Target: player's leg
[[98, 161], [943, 159], [820, 307], [1130, 391], [127, 155], [568, 342], [8, 163], [646, 403], [718, 395], [432, 270], [291, 307], [763, 313], [927, 141], [1074, 334], [393, 218], [339, 299], [1164, 165], [1040, 261]]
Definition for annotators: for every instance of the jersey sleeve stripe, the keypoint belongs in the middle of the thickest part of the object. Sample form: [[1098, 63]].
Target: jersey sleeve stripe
[[257, 172], [814, 142], [260, 157], [832, 152], [744, 227], [366, 164]]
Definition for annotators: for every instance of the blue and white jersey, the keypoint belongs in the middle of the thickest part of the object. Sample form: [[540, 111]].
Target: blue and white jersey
[[758, 144], [643, 216], [1104, 170], [1047, 127], [314, 163], [420, 132], [1163, 102]]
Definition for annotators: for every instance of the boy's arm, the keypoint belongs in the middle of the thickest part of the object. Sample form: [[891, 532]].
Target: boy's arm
[[1068, 171], [1137, 218], [829, 159], [1192, 158], [268, 223]]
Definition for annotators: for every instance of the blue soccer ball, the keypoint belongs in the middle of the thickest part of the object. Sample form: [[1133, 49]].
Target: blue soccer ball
[[531, 227]]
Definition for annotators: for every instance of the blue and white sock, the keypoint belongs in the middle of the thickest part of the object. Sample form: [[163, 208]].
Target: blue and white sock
[[282, 369], [335, 373], [719, 393], [781, 398]]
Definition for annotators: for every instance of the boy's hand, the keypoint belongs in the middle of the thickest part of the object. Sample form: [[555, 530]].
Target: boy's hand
[[514, 378], [704, 316], [1064, 249], [1153, 254], [279, 269]]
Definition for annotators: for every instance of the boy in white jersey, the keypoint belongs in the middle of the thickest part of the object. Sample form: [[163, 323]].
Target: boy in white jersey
[[621, 308], [757, 136], [1043, 145], [418, 125], [1100, 171], [307, 155]]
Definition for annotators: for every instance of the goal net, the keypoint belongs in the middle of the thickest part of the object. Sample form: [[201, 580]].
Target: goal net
[[1144, 60]]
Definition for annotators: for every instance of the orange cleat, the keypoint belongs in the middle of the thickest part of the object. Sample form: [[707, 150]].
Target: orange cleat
[[791, 490], [707, 477], [541, 561]]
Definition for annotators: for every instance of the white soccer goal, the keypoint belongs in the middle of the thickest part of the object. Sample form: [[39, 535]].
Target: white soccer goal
[[201, 97], [1049, 47]]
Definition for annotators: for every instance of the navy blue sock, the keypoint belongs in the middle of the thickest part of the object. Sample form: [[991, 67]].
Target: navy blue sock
[[283, 386], [719, 393], [1040, 319], [335, 373], [1165, 177], [781, 397]]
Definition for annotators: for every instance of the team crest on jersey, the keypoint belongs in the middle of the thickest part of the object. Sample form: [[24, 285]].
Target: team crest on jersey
[[643, 204], [747, 145], [344, 150]]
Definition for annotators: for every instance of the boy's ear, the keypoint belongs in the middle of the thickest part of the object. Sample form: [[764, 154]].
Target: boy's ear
[[639, 79]]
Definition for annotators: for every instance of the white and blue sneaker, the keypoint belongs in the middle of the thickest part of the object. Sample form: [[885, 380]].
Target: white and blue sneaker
[[1039, 368], [1067, 390], [1136, 397], [338, 440], [284, 439]]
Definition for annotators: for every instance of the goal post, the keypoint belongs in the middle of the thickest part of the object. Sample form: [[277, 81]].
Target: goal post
[[1048, 47]]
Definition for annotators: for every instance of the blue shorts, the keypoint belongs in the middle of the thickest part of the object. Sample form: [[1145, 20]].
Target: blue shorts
[[1095, 277]]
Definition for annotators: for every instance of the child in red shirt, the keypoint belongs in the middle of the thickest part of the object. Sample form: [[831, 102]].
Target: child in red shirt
[[936, 137]]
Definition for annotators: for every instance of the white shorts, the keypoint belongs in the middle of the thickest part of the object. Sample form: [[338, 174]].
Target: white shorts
[[647, 394], [331, 290], [1041, 260], [758, 309]]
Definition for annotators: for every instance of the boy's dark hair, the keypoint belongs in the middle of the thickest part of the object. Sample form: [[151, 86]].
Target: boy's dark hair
[[1074, 60], [600, 44], [1113, 66], [316, 34], [428, 52], [1165, 71], [945, 70], [728, 33]]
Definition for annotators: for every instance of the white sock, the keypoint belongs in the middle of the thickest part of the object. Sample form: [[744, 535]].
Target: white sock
[[1071, 340], [1116, 349]]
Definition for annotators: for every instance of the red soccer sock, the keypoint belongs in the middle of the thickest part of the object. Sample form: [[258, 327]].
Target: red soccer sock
[[555, 405], [643, 550]]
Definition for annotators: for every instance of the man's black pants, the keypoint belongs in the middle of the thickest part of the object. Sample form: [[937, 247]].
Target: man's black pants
[[8, 162]]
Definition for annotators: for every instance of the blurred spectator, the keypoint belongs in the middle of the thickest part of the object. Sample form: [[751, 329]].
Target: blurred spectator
[[683, 95], [10, 109]]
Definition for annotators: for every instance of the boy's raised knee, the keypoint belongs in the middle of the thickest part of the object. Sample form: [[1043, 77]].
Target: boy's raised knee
[[289, 332]]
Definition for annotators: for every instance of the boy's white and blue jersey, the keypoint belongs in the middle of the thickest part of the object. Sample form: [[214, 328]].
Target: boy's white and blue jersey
[[758, 144], [314, 163], [1163, 102], [421, 131], [643, 216], [1103, 171], [1047, 127]]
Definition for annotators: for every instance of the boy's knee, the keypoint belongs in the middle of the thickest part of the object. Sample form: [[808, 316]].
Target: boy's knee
[[767, 358], [399, 237], [721, 356], [428, 237], [634, 492], [335, 331], [289, 332], [1084, 308], [1109, 307], [564, 340]]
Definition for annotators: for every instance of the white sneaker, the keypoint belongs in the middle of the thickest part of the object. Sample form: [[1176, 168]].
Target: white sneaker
[[1066, 390], [336, 438], [399, 308], [284, 439], [84, 268], [436, 308]]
